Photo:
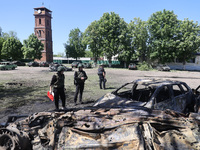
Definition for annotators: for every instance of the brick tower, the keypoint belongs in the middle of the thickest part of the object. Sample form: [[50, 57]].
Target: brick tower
[[43, 32]]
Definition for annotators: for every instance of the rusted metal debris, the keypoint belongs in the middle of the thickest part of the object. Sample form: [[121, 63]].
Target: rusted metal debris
[[102, 128]]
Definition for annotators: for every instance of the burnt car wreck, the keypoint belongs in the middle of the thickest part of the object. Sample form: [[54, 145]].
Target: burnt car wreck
[[116, 121]]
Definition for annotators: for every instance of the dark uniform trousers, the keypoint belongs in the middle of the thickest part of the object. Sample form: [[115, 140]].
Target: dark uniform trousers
[[102, 79], [79, 88], [59, 92]]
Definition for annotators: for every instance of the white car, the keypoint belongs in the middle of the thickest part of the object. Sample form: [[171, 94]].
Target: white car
[[163, 68]]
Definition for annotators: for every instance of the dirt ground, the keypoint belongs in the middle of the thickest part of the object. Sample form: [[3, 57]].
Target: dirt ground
[[23, 91]]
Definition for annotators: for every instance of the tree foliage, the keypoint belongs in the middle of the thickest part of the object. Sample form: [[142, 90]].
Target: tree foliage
[[12, 49], [2, 40], [163, 26], [93, 39], [32, 47], [139, 38], [188, 42], [88, 54], [75, 46], [113, 31]]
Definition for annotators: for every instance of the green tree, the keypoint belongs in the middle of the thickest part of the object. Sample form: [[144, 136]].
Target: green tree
[[12, 49], [113, 30], [188, 40], [75, 46], [32, 47], [10, 34], [2, 40], [93, 39], [88, 54], [163, 28], [139, 38]]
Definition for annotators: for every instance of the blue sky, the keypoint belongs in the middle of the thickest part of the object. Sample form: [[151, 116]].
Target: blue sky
[[17, 15]]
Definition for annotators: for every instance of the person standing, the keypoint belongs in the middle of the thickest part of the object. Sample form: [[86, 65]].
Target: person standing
[[102, 76], [79, 80], [57, 86]]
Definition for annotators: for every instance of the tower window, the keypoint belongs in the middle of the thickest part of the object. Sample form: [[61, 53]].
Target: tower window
[[48, 33], [39, 33], [39, 21]]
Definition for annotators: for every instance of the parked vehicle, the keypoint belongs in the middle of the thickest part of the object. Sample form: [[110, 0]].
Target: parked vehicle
[[19, 63], [132, 66], [87, 65], [7, 66], [44, 64], [153, 94], [67, 69], [54, 67], [163, 68], [75, 64], [33, 64]]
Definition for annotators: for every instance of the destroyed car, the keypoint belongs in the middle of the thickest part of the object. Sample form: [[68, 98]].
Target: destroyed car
[[153, 94], [118, 124], [102, 128]]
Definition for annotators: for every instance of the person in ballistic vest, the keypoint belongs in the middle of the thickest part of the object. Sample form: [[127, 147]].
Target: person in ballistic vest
[[102, 76], [79, 80], [57, 86]]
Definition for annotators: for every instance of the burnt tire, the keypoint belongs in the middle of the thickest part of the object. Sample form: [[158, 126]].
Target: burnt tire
[[7, 140], [10, 140]]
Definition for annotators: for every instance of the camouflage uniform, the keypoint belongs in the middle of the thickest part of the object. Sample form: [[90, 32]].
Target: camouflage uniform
[[57, 82], [101, 74], [79, 84]]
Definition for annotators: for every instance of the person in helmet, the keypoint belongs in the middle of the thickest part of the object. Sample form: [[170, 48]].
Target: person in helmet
[[102, 76], [79, 80], [57, 86]]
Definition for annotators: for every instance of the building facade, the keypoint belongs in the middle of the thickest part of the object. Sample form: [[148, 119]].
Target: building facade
[[43, 32]]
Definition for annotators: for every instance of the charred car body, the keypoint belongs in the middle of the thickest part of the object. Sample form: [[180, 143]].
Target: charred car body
[[114, 122], [153, 94]]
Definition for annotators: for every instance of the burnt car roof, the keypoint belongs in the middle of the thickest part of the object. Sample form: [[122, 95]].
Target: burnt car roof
[[155, 82]]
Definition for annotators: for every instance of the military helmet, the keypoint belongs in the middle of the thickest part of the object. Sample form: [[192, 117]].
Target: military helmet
[[61, 68], [80, 65]]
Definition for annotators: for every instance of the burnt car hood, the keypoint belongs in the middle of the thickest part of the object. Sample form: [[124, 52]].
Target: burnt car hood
[[111, 100], [103, 128]]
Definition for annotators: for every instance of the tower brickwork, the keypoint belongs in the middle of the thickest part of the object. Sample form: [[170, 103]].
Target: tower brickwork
[[43, 32]]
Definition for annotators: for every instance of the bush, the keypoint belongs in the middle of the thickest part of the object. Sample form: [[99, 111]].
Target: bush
[[144, 66]]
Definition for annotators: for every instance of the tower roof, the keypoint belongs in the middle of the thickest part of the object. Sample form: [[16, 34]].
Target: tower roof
[[42, 8]]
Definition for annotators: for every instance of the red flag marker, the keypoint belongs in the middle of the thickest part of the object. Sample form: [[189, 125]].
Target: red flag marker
[[50, 96]]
